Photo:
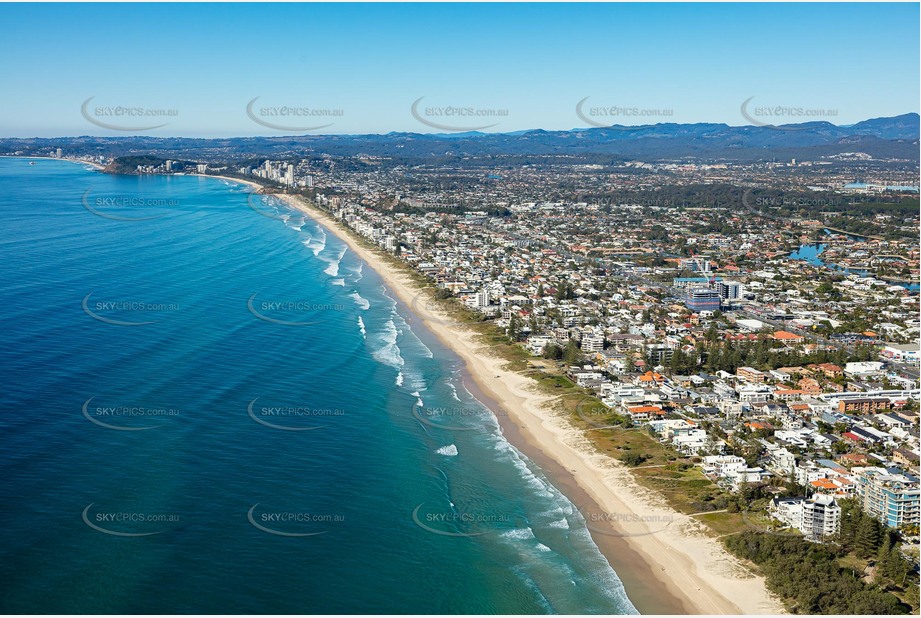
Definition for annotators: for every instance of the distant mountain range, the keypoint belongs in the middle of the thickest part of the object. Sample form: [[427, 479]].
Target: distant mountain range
[[895, 137]]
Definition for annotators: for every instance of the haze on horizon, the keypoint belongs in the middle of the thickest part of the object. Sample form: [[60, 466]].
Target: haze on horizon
[[360, 68]]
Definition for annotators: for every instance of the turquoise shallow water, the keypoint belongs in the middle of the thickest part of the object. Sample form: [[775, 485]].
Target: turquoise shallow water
[[208, 410]]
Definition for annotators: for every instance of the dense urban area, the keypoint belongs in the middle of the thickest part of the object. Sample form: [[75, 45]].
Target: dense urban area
[[744, 332]]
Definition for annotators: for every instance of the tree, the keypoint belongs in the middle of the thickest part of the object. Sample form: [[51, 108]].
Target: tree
[[553, 352], [913, 595], [677, 361], [514, 327], [866, 537], [713, 334], [894, 565], [850, 517], [572, 355], [809, 576], [629, 362], [634, 459], [882, 556]]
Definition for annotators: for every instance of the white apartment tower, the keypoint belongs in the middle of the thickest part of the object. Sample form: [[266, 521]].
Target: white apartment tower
[[592, 343], [821, 517], [817, 517]]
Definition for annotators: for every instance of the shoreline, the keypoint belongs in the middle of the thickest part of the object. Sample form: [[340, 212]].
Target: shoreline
[[91, 163], [635, 574], [673, 567], [248, 183]]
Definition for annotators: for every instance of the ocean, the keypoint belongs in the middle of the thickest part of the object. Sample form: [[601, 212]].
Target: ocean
[[213, 406]]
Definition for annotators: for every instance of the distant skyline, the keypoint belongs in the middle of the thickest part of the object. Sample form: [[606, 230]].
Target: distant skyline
[[220, 70]]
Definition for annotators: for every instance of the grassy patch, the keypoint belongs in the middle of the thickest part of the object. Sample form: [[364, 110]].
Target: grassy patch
[[723, 524]]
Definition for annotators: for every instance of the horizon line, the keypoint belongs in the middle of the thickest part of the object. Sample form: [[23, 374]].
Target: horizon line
[[476, 133]]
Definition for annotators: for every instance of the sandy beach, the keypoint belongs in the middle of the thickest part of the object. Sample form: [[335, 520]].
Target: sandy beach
[[667, 562], [90, 163], [249, 183]]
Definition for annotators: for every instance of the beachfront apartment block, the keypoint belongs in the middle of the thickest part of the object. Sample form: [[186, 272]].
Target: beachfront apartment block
[[817, 517], [888, 495], [642, 413], [480, 300]]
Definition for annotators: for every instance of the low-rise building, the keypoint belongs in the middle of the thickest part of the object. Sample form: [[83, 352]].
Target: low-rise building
[[864, 405], [750, 374], [906, 353]]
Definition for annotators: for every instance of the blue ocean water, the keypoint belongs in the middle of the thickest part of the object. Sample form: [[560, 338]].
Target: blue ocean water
[[212, 406]]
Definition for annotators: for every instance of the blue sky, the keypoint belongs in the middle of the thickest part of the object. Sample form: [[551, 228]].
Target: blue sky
[[364, 65]]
